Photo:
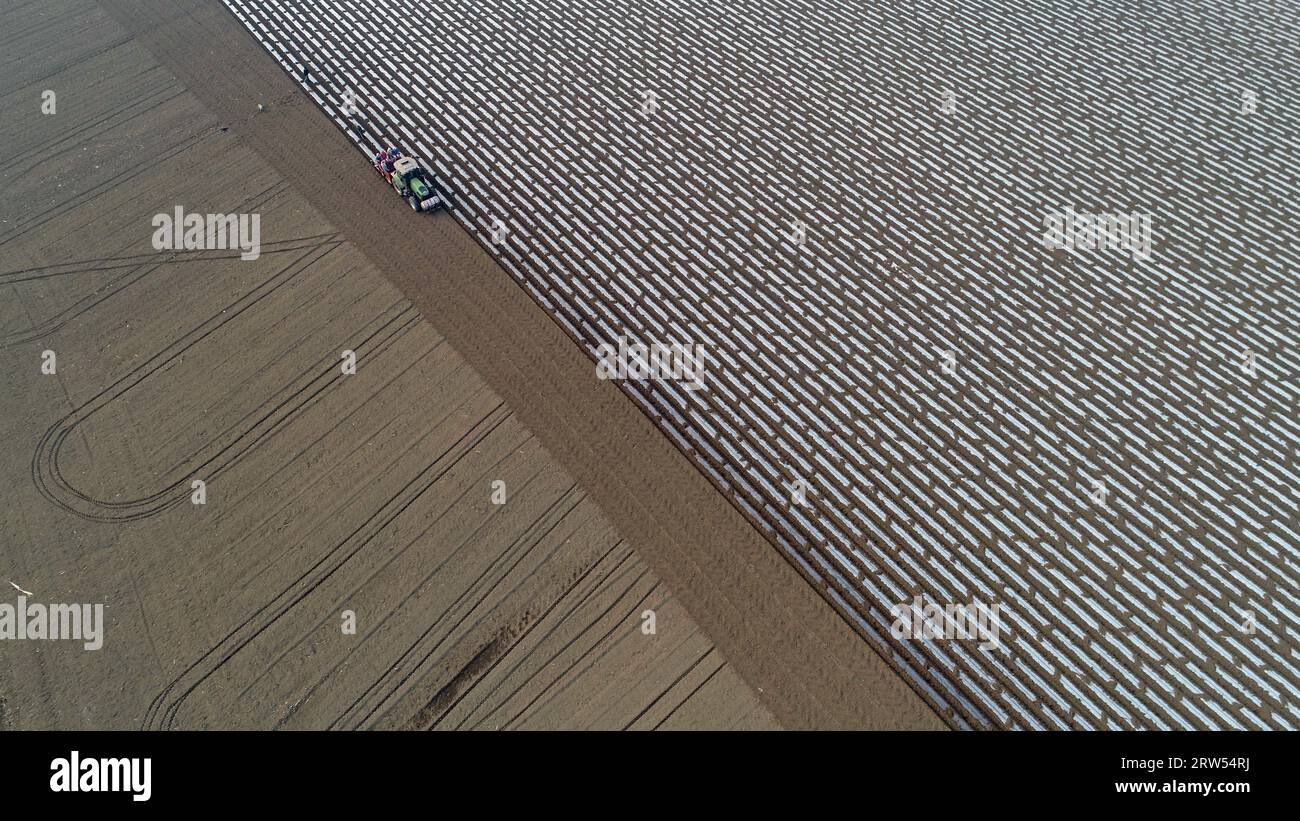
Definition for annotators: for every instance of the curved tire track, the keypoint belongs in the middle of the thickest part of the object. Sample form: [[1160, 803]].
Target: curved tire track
[[269, 417]]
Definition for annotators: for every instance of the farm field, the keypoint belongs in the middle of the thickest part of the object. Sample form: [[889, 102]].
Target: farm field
[[998, 301], [325, 493], [836, 365]]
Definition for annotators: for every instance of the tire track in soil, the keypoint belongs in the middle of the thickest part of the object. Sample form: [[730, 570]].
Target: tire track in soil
[[519, 488], [135, 267], [276, 412], [469, 600], [166, 705], [530, 624]]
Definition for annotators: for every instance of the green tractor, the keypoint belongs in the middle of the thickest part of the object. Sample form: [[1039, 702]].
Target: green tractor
[[415, 185], [410, 179]]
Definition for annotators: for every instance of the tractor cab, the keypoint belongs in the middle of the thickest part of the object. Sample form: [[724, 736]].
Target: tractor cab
[[405, 172]]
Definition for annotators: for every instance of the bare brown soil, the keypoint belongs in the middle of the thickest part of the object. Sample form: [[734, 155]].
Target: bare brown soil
[[326, 492]]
